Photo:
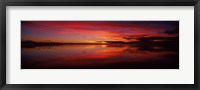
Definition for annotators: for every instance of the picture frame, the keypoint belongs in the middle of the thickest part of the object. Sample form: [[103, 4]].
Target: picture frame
[[3, 44]]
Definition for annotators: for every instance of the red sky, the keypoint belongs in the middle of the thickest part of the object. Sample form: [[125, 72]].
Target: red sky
[[93, 31]]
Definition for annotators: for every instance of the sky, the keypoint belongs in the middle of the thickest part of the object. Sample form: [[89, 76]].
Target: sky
[[96, 31]]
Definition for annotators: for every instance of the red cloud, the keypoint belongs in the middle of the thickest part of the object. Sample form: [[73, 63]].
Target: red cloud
[[96, 29]]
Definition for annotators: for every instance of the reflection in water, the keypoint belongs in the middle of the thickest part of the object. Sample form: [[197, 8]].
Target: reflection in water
[[120, 56]]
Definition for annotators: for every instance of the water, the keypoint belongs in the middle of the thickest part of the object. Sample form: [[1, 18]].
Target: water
[[120, 56]]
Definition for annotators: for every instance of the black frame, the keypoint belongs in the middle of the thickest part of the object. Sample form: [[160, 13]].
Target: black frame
[[5, 86]]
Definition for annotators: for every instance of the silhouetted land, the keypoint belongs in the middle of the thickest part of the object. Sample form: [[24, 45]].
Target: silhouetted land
[[31, 44], [145, 43]]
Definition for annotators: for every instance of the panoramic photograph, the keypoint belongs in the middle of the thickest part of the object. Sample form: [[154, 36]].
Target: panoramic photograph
[[99, 44]]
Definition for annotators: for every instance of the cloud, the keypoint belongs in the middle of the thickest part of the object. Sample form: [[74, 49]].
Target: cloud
[[173, 31], [147, 39], [101, 30]]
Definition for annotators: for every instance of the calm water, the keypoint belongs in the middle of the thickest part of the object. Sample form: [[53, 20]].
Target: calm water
[[99, 57]]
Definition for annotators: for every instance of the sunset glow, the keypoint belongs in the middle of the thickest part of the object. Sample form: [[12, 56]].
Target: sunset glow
[[99, 44], [95, 31]]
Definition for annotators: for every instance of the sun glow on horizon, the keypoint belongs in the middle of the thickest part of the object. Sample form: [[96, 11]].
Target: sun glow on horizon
[[96, 32], [103, 42]]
